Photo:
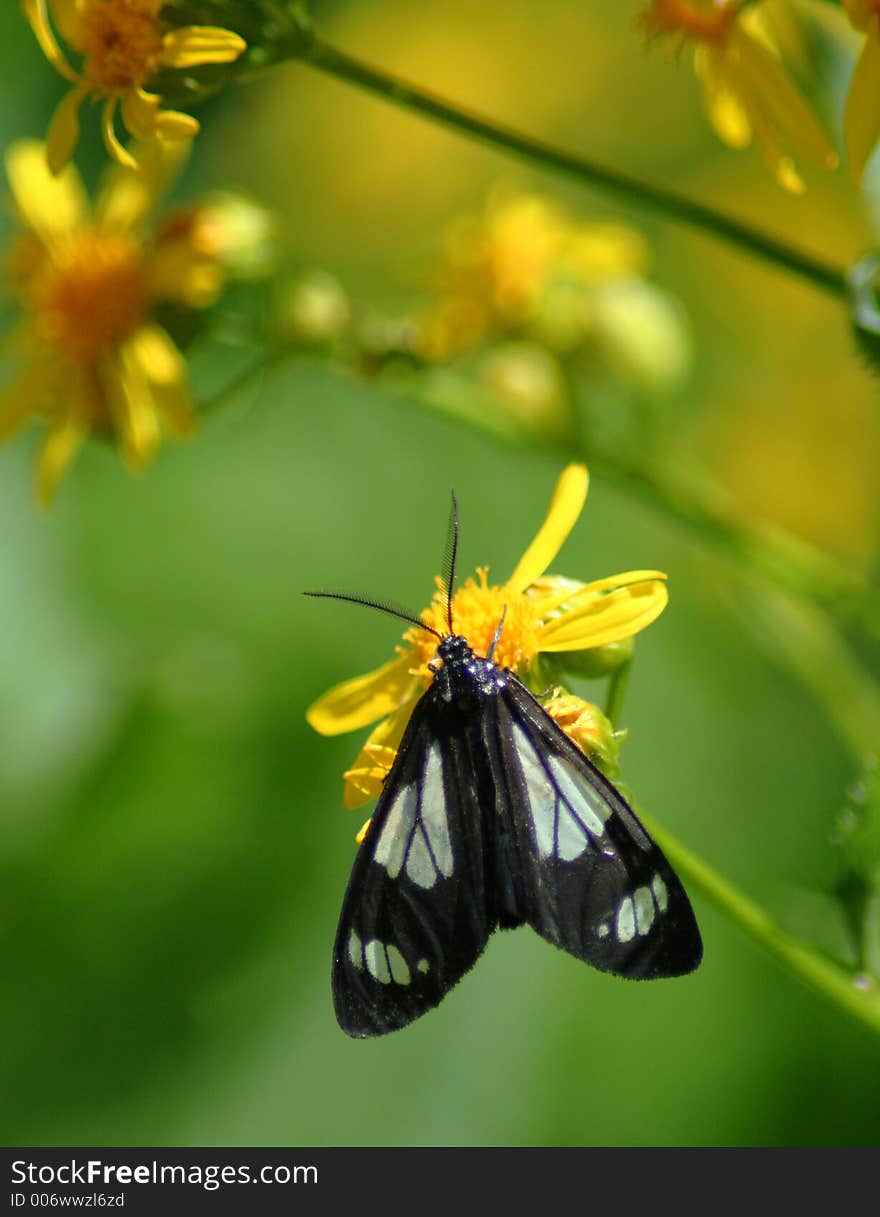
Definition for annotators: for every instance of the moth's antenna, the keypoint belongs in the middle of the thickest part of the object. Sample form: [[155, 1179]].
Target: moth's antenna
[[450, 554], [383, 606]]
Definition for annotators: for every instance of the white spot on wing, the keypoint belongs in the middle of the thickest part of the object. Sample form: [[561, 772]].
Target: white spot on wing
[[434, 811], [602, 929], [419, 863], [661, 895], [354, 951], [377, 961], [398, 965], [539, 789], [585, 801], [396, 831], [625, 926], [423, 966], [644, 906]]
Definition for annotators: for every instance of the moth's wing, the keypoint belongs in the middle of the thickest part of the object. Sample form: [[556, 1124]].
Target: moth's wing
[[420, 904], [581, 868]]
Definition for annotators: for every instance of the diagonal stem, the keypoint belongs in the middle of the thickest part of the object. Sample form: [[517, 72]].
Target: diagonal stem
[[859, 997], [311, 49]]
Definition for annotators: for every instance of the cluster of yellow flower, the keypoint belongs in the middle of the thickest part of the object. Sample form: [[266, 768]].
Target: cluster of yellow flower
[[748, 92], [89, 278]]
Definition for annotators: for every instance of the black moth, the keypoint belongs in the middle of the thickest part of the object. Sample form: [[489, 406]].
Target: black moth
[[491, 817]]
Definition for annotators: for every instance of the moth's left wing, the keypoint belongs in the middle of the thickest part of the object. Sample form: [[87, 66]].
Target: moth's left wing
[[574, 859], [420, 904]]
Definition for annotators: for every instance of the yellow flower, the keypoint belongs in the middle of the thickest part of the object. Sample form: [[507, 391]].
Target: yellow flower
[[497, 268], [93, 358], [746, 90], [544, 614], [123, 43], [862, 117]]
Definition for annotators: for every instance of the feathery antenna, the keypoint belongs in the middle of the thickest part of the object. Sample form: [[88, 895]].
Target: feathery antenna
[[383, 606], [450, 555]]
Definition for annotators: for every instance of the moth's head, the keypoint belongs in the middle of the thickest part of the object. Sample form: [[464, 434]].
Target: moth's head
[[453, 649]]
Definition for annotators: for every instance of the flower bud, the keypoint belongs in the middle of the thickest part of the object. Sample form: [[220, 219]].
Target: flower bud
[[313, 310], [642, 333], [586, 726], [528, 384]]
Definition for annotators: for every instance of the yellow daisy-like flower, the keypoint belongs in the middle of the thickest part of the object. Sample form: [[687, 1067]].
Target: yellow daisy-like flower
[[746, 90], [862, 116], [92, 356], [544, 614], [123, 43], [497, 268]]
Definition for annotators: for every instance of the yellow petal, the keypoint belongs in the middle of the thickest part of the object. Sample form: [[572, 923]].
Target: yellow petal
[[139, 110], [551, 599], [126, 198], [605, 618], [111, 140], [766, 86], [38, 19], [61, 446], [132, 409], [357, 703], [53, 207], [68, 18], [565, 507], [64, 129], [23, 396], [366, 777], [164, 368], [194, 44], [861, 123], [174, 125], [778, 162], [725, 110]]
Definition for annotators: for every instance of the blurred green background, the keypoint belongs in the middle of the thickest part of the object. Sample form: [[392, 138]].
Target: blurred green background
[[174, 852]]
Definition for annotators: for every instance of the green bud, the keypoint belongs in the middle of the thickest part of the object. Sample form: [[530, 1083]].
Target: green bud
[[527, 383], [246, 235], [593, 663], [312, 311], [642, 333]]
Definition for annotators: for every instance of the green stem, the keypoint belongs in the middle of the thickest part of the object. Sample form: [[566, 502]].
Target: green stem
[[799, 959], [617, 686], [309, 48]]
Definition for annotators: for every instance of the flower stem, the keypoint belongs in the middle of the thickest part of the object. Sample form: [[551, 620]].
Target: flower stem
[[311, 49], [617, 686], [797, 957]]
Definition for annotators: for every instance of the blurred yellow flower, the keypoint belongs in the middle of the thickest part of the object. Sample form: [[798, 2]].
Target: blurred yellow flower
[[746, 90], [544, 614], [92, 355], [862, 117], [123, 43], [497, 268]]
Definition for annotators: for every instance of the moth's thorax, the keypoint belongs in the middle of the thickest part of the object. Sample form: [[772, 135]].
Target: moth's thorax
[[464, 676]]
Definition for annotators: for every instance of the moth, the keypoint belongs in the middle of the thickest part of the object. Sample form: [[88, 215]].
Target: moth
[[491, 817]]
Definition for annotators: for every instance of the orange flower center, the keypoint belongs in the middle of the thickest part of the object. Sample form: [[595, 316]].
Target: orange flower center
[[476, 612], [91, 296], [121, 41], [705, 24]]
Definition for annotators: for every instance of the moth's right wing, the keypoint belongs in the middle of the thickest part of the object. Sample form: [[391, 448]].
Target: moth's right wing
[[420, 903], [576, 862]]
